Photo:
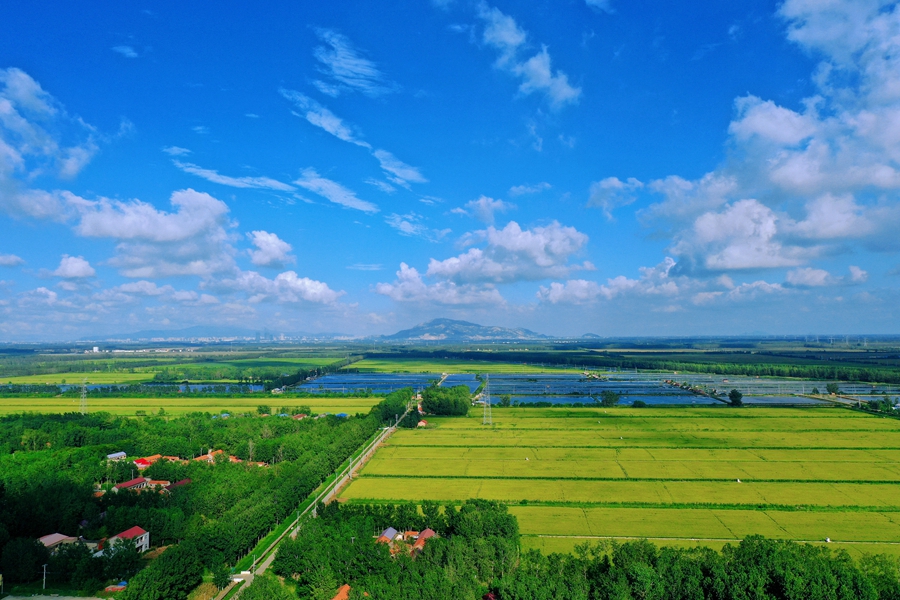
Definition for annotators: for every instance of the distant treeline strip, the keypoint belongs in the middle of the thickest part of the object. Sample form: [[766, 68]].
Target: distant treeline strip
[[671, 505], [619, 361]]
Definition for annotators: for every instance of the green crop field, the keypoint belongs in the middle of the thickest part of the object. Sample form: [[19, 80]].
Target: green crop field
[[374, 365], [96, 377], [186, 404], [678, 476]]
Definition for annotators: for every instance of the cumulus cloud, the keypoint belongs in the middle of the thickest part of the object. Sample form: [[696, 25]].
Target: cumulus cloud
[[10, 260], [483, 209], [743, 236], [514, 254], [193, 239], [809, 277], [819, 178], [74, 267], [653, 281], [535, 73], [410, 287], [346, 69], [270, 250], [265, 183], [611, 193], [286, 287], [333, 191]]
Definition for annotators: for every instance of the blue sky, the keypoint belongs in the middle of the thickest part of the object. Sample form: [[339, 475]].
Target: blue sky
[[605, 166]]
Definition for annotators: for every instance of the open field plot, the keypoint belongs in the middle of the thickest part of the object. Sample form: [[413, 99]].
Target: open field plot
[[96, 378], [678, 476], [186, 404]]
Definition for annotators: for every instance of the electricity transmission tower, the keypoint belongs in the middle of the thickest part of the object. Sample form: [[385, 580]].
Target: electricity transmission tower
[[486, 398], [84, 396]]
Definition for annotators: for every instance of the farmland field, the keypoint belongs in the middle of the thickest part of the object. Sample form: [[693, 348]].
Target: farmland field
[[677, 476], [186, 404]]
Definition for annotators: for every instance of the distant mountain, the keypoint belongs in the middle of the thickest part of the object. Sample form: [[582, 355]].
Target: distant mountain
[[592, 336], [449, 330]]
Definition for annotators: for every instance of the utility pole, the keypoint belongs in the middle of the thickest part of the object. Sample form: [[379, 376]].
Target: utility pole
[[45, 577]]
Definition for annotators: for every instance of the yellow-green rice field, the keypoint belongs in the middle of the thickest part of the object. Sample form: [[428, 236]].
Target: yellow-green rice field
[[675, 475]]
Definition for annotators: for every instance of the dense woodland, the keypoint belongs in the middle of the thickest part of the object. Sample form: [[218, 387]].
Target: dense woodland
[[50, 465], [477, 553]]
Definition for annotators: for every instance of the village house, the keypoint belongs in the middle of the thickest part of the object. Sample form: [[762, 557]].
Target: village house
[[141, 538], [116, 456], [54, 541], [136, 484]]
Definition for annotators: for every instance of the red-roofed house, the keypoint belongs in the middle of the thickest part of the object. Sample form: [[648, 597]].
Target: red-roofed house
[[211, 456], [178, 484], [143, 463], [299, 417], [420, 541], [141, 538], [138, 483]]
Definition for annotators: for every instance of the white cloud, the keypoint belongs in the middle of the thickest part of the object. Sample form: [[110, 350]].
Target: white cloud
[[611, 193], [808, 277], [346, 69], [10, 260], [743, 236], [176, 151], [484, 208], [323, 118], [834, 158], [74, 267], [143, 288], [409, 287], [365, 267], [858, 275], [396, 170], [514, 254], [191, 240], [126, 51], [399, 172], [574, 291], [521, 190], [37, 136], [200, 129], [384, 186], [265, 183], [604, 5], [536, 73], [270, 250], [286, 287], [413, 225], [333, 191]]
